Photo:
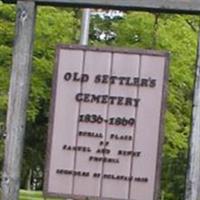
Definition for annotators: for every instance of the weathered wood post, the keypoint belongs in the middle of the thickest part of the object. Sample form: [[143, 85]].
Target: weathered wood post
[[18, 95], [193, 174]]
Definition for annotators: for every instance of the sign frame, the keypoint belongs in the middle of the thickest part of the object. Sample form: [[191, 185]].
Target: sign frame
[[170, 6], [161, 121]]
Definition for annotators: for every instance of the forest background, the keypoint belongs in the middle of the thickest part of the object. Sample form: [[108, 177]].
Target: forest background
[[174, 33]]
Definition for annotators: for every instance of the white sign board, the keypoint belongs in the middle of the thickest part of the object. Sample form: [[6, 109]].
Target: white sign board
[[105, 129]]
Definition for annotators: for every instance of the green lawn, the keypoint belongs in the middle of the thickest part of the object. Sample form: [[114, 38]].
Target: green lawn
[[33, 195]]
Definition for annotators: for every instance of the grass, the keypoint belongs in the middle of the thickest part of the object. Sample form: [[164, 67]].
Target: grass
[[34, 195]]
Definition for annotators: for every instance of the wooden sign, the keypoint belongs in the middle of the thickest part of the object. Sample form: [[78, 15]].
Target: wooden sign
[[174, 6], [106, 124]]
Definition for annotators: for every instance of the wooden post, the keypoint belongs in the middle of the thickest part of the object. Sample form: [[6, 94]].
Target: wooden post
[[18, 95], [193, 174]]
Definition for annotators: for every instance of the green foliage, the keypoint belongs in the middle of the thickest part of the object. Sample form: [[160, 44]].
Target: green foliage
[[135, 30], [33, 195], [7, 16], [53, 26], [6, 37]]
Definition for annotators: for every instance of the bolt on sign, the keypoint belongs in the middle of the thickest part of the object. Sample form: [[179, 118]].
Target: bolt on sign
[[106, 124]]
